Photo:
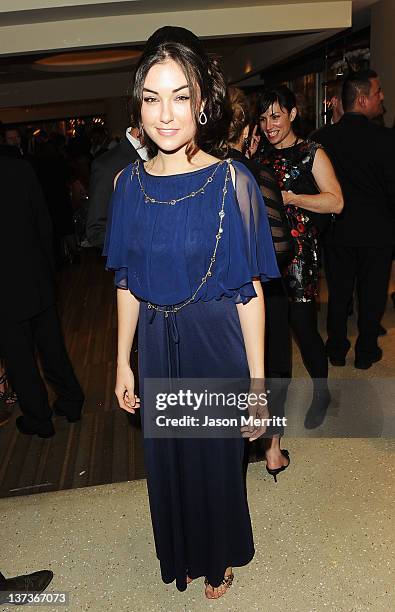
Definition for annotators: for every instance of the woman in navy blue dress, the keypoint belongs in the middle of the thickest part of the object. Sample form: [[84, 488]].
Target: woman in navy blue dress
[[189, 240]]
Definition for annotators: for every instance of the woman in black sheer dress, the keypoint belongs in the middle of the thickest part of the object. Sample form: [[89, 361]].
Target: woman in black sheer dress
[[277, 336], [310, 189]]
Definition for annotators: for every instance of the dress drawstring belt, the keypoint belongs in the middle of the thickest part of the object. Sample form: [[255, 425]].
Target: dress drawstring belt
[[172, 342]]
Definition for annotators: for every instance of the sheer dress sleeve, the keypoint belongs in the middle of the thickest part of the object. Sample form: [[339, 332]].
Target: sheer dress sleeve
[[115, 248], [258, 238]]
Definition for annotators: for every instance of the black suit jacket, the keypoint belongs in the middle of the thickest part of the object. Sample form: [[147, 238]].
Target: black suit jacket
[[10, 151], [26, 252], [363, 155], [104, 170]]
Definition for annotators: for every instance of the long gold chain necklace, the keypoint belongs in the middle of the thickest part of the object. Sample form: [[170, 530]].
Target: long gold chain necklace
[[218, 237], [136, 170]]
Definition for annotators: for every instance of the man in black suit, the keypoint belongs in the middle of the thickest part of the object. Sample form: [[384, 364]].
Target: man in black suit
[[28, 315], [359, 247], [103, 172]]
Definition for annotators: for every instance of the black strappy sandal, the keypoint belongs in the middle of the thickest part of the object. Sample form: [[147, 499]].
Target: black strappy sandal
[[7, 396], [226, 582]]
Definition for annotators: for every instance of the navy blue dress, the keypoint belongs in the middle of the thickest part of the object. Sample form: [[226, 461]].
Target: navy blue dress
[[160, 252]]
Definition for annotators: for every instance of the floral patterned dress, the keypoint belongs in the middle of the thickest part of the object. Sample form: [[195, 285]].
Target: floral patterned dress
[[293, 168]]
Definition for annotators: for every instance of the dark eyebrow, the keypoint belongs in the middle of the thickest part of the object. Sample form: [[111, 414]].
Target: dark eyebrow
[[174, 90]]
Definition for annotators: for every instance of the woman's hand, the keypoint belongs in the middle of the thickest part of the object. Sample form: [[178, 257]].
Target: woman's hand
[[258, 411], [255, 139], [124, 389], [288, 197]]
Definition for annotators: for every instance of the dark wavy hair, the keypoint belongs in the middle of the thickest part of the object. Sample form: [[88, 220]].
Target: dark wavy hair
[[285, 98], [241, 116], [205, 80], [281, 94]]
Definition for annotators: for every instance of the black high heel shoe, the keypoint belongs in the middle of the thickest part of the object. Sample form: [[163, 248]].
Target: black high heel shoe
[[275, 471]]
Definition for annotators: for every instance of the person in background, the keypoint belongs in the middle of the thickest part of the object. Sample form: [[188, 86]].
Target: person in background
[[7, 396], [99, 140], [334, 89], [103, 171], [53, 172], [359, 248], [335, 106], [237, 144], [28, 314], [10, 150], [334, 98], [12, 137], [309, 189], [277, 335]]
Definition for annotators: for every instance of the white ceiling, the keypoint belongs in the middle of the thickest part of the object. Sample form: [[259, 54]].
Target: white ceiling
[[245, 33], [149, 5], [35, 11], [73, 24]]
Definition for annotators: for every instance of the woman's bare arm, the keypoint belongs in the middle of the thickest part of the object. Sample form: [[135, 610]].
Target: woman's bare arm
[[330, 198], [128, 314], [252, 322]]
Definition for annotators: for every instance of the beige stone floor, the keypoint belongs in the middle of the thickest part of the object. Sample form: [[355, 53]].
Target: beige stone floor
[[324, 534]]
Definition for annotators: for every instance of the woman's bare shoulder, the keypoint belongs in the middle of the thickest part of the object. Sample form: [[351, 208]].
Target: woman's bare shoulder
[[116, 177]]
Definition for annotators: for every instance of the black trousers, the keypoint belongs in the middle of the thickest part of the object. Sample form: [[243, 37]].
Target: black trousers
[[369, 268], [283, 316], [18, 344], [301, 318], [2, 582], [278, 366], [304, 325], [277, 332]]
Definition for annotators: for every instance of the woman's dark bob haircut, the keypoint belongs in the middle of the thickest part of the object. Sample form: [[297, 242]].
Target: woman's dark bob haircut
[[281, 94], [205, 80]]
